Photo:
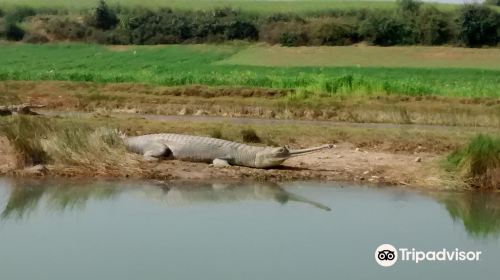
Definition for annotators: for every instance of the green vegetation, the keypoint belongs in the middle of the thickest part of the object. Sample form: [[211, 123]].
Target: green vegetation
[[201, 64], [479, 162], [102, 17], [23, 200], [265, 6], [479, 211], [493, 2], [407, 22]]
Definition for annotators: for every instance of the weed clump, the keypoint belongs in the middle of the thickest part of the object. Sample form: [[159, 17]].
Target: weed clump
[[479, 162], [68, 143], [250, 136], [216, 133]]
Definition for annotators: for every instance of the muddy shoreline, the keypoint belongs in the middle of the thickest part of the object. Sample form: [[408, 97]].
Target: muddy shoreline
[[343, 163]]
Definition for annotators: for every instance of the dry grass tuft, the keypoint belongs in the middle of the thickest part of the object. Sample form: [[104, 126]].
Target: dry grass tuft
[[75, 145]]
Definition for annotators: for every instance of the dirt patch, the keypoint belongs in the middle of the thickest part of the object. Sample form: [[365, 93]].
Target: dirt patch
[[344, 163]]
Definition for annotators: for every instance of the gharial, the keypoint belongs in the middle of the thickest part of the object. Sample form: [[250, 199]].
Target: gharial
[[211, 150]]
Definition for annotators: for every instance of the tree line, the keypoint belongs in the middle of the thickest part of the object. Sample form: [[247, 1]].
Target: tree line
[[411, 23]]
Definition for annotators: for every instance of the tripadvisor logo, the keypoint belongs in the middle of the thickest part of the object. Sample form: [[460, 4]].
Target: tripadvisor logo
[[387, 255]]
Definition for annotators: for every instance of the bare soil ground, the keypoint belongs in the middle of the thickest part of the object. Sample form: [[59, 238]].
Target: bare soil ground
[[343, 163]]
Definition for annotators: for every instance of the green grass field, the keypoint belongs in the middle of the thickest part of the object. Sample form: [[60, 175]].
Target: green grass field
[[261, 6], [207, 65]]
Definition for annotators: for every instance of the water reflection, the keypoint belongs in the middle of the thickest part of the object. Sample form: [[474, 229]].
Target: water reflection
[[195, 193], [479, 212], [26, 196]]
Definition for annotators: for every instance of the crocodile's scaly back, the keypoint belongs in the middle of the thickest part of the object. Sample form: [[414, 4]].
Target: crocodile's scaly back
[[196, 148], [206, 149]]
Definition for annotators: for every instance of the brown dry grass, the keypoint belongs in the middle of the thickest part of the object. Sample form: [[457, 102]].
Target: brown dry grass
[[67, 143], [367, 56]]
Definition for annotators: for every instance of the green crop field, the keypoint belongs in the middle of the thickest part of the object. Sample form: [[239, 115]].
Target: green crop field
[[264, 6], [208, 65]]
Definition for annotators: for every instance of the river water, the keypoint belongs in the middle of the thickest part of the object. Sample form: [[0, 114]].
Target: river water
[[140, 230]]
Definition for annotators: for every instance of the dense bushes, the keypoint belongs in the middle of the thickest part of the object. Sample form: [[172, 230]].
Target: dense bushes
[[433, 27], [66, 29], [478, 25], [386, 30], [102, 17], [13, 32], [411, 23]]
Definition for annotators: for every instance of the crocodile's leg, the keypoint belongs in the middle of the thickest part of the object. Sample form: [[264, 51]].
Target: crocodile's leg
[[220, 163], [155, 151]]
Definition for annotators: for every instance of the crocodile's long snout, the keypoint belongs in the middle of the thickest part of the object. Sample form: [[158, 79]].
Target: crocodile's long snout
[[294, 153]]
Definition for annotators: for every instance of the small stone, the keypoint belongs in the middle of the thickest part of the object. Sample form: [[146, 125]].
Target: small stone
[[182, 112], [418, 159], [340, 156], [358, 150], [36, 170], [200, 113], [366, 172]]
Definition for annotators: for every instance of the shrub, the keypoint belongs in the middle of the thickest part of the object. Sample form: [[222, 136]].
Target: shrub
[[332, 31], [102, 17], [479, 162], [162, 27], [478, 25], [250, 136], [239, 29], [13, 32], [66, 29], [433, 27], [409, 6], [289, 39], [19, 13], [285, 33], [387, 30]]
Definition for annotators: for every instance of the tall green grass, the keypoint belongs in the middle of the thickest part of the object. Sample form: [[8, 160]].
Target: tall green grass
[[479, 162], [188, 65]]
